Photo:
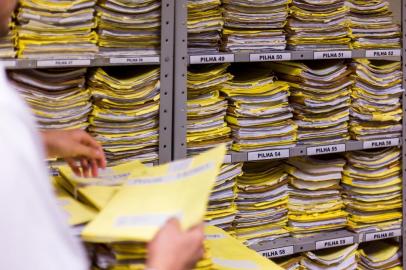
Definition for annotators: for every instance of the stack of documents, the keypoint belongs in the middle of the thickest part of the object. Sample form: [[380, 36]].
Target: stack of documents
[[340, 258], [259, 113], [320, 97], [372, 185], [315, 202], [380, 255], [229, 254], [318, 25], [129, 27], [125, 112], [254, 26], [222, 210], [376, 109], [7, 44], [206, 108], [262, 200], [58, 97], [56, 29], [204, 25], [290, 262], [372, 25], [148, 197]]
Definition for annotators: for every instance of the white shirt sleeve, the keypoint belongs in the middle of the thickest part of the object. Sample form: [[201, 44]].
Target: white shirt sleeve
[[34, 234]]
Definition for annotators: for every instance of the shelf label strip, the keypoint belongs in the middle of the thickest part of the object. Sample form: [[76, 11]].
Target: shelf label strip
[[381, 143], [382, 53], [277, 252], [63, 63], [382, 235], [268, 154], [332, 55], [8, 63], [213, 58], [134, 60], [335, 242], [227, 159], [259, 57], [325, 149]]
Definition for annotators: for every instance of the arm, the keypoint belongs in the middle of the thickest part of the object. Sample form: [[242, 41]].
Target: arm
[[75, 146]]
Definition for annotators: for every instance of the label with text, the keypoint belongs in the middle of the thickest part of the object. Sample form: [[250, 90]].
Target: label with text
[[134, 60], [277, 252], [382, 53], [8, 63], [258, 57], [381, 143], [269, 154], [63, 63], [325, 149], [335, 242], [333, 55], [215, 58], [227, 159], [382, 235]]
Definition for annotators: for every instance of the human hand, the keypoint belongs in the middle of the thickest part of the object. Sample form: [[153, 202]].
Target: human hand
[[75, 146], [174, 249]]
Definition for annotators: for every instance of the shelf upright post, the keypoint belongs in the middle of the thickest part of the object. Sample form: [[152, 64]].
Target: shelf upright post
[[180, 90], [166, 80], [403, 22]]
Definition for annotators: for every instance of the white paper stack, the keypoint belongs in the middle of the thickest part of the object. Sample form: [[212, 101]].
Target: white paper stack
[[380, 255], [261, 202], [56, 29], [259, 113], [204, 24], [206, 108], [315, 202], [58, 97], [254, 25], [341, 258], [290, 262], [129, 27], [372, 189], [7, 43], [320, 97], [222, 210], [125, 112], [318, 25], [376, 108], [372, 25]]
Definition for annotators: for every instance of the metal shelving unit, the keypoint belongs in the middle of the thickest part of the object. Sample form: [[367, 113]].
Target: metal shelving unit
[[164, 60], [289, 245]]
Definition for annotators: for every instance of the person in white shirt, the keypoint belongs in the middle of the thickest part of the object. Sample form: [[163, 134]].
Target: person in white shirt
[[34, 234]]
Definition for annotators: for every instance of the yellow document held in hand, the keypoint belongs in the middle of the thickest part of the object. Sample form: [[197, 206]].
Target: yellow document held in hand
[[144, 203]]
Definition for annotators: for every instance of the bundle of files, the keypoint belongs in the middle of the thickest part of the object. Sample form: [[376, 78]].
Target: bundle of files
[[259, 113], [56, 29], [341, 258], [290, 262], [227, 253], [7, 43], [129, 27], [318, 25], [372, 25], [259, 26], [146, 198], [125, 112], [320, 97], [206, 108], [262, 200], [58, 97], [372, 185], [315, 202], [380, 255], [222, 210], [376, 108], [204, 25]]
